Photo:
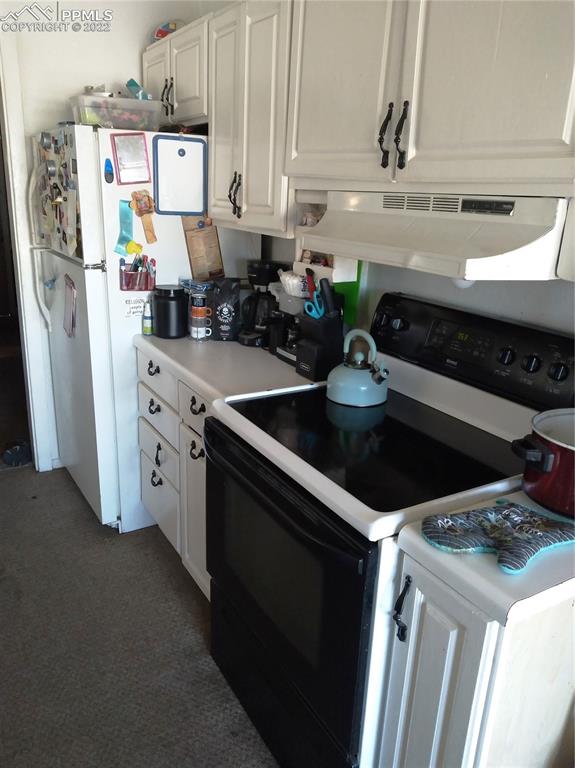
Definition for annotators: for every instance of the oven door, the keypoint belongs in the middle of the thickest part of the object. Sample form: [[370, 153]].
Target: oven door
[[301, 578]]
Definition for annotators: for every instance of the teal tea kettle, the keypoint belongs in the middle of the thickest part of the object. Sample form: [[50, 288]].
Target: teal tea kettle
[[358, 382]]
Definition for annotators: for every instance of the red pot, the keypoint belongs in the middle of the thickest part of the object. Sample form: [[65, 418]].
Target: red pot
[[549, 453]]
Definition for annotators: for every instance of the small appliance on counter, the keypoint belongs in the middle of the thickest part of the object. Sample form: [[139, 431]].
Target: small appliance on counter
[[170, 311], [258, 307], [358, 381]]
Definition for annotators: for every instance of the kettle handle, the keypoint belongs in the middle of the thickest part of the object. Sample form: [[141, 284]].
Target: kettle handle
[[351, 335]]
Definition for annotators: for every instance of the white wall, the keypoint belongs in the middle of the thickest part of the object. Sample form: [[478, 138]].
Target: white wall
[[547, 304], [57, 65]]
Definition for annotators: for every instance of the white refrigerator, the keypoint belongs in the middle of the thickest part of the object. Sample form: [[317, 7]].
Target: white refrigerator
[[87, 223]]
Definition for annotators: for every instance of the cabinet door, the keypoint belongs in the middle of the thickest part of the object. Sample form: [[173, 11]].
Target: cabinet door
[[189, 54], [193, 506], [225, 93], [439, 676], [264, 188], [490, 89], [344, 74], [156, 69]]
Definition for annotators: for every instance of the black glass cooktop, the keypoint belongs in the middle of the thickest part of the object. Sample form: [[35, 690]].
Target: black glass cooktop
[[390, 456]]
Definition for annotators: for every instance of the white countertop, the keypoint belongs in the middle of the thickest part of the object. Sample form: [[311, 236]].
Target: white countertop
[[217, 369], [478, 578]]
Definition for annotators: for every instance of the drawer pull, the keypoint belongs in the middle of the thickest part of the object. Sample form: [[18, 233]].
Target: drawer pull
[[153, 480], [152, 371], [195, 456], [157, 456], [153, 407], [194, 410]]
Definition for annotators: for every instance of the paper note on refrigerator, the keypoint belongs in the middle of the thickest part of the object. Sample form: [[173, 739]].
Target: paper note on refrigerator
[[179, 175]]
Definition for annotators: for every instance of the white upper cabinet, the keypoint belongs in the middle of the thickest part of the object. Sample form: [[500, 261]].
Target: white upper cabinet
[[189, 68], [175, 71], [481, 91], [344, 76], [156, 71], [491, 91], [249, 70], [225, 84]]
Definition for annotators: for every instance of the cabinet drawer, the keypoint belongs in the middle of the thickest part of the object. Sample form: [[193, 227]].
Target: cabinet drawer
[[193, 407], [159, 451], [158, 413], [155, 376], [161, 500]]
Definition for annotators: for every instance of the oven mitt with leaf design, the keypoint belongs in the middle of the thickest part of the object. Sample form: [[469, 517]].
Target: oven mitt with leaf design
[[516, 533]]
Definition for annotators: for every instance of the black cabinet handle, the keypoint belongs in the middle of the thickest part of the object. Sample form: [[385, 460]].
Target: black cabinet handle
[[157, 456], [397, 140], [236, 190], [194, 410], [398, 608], [230, 198], [152, 371], [381, 137], [199, 455], [165, 103], [170, 103], [153, 480], [153, 407]]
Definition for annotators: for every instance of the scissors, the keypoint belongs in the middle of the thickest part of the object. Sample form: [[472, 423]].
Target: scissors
[[315, 308]]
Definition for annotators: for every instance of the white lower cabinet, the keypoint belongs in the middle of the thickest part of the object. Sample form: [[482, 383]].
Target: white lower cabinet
[[467, 691], [161, 500], [193, 506]]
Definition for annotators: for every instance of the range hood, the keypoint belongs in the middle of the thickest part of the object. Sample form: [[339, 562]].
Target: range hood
[[473, 237]]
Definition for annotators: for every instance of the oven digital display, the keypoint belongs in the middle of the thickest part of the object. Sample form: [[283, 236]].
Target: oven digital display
[[459, 341]]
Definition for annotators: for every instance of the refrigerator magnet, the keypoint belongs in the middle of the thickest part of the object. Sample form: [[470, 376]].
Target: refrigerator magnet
[[108, 171], [180, 175], [131, 158]]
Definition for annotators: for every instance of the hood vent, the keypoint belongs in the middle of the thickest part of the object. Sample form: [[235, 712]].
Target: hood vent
[[457, 236], [433, 203]]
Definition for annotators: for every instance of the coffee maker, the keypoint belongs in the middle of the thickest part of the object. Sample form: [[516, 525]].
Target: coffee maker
[[259, 307]]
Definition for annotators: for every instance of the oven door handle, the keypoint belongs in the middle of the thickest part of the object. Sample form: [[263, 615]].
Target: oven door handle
[[355, 563]]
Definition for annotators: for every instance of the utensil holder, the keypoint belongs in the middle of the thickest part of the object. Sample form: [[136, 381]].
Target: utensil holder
[[137, 281]]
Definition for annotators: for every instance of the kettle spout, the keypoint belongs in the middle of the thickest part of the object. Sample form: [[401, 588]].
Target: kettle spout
[[379, 375]]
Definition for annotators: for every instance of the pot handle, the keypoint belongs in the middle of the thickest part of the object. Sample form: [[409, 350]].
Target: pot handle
[[349, 337], [534, 452]]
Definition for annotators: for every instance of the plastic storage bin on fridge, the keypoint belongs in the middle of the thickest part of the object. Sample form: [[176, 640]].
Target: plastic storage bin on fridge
[[109, 112]]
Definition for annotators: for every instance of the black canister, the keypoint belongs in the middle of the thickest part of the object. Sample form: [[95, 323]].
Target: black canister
[[170, 311]]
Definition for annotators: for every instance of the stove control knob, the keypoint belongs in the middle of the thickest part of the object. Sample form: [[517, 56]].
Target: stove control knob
[[558, 371], [531, 363], [383, 320], [506, 356], [399, 324]]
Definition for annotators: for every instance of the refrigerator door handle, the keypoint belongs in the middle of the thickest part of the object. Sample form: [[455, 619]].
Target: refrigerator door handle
[[32, 181], [44, 311]]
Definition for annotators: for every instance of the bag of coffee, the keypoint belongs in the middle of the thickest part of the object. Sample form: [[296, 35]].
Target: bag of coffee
[[226, 319]]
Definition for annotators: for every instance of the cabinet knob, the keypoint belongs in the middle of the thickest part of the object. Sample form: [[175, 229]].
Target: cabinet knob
[[153, 370], [381, 137], [194, 410], [153, 407], [153, 480], [195, 456], [397, 140]]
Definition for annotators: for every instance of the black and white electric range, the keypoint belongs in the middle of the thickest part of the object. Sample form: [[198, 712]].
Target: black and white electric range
[[305, 499]]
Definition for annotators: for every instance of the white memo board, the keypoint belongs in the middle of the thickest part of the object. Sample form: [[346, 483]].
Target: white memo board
[[180, 175]]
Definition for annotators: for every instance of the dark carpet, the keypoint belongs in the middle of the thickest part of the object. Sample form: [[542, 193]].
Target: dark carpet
[[104, 656]]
